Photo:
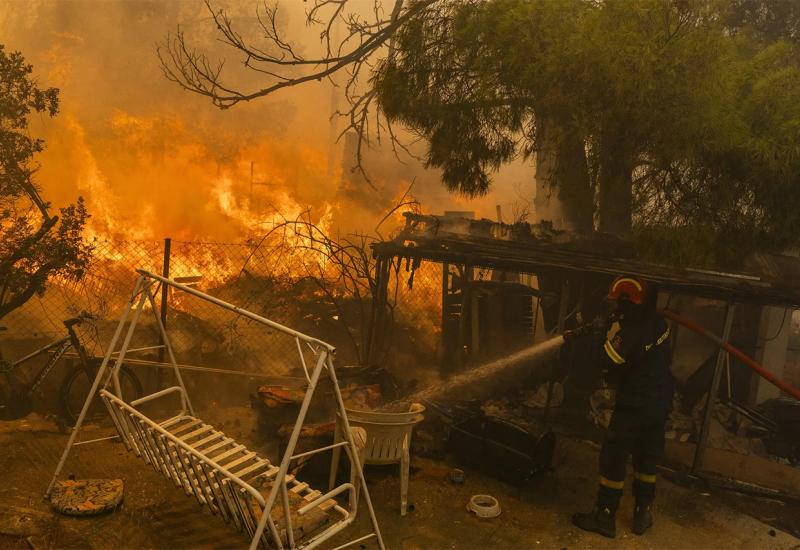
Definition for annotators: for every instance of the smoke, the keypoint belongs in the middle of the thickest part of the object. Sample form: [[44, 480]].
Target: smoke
[[153, 160]]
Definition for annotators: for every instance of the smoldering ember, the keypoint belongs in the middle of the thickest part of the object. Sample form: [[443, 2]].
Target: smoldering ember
[[400, 274]]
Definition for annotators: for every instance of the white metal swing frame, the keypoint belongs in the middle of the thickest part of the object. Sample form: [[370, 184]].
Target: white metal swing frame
[[190, 465]]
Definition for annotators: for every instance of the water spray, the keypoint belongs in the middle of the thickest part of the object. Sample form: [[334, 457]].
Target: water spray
[[483, 381]]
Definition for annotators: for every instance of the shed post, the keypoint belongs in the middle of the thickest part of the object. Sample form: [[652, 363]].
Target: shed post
[[562, 319], [699, 453]]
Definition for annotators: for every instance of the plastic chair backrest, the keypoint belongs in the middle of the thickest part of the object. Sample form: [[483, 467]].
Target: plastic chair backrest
[[387, 433]]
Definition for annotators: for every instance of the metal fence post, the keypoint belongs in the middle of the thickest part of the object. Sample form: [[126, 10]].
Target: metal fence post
[[164, 305], [374, 314], [699, 453]]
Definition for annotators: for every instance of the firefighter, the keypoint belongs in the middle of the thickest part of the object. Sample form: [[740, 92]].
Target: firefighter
[[637, 356]]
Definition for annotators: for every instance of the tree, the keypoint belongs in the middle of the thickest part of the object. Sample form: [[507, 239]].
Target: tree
[[647, 117], [282, 64], [766, 20], [617, 78], [370, 36], [34, 246], [730, 186], [654, 69], [690, 130], [484, 82]]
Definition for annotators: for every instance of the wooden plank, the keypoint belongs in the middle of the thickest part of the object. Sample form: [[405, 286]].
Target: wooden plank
[[327, 505], [226, 454], [213, 437], [252, 468], [249, 455], [217, 446], [185, 427], [175, 419], [747, 468], [265, 477], [186, 437]]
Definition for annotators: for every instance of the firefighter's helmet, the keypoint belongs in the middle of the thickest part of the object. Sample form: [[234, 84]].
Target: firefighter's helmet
[[633, 289]]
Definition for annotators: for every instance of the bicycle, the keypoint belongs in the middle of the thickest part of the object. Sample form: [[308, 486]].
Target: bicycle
[[16, 396]]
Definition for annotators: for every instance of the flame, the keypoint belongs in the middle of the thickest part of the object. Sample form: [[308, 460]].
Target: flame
[[153, 161], [148, 177]]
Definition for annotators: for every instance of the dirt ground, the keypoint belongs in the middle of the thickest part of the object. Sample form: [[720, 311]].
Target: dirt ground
[[157, 515]]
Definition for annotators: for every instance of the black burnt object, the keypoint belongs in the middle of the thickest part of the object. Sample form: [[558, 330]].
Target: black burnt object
[[501, 449]]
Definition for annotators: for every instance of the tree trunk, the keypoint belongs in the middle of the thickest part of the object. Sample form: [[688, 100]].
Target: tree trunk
[[563, 194], [563, 191], [614, 183]]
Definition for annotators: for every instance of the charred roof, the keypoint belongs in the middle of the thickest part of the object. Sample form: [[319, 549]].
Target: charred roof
[[539, 248]]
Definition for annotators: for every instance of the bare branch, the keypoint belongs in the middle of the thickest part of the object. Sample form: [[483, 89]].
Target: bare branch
[[282, 66], [412, 202]]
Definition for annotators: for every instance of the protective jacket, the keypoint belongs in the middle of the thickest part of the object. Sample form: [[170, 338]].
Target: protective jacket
[[638, 357]]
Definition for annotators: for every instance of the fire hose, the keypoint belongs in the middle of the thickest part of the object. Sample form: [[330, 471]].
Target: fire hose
[[761, 371]]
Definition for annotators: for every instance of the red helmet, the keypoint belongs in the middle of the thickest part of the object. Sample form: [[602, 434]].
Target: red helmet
[[632, 288]]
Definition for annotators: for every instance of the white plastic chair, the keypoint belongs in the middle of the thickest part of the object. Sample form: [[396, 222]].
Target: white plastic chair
[[388, 442]]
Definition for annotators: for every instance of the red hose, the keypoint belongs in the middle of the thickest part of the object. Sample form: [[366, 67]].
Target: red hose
[[762, 372]]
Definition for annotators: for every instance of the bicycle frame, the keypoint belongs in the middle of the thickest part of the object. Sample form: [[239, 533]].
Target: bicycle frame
[[60, 346], [49, 366]]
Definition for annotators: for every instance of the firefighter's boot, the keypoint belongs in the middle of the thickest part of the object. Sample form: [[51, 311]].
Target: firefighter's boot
[[601, 520], [642, 518]]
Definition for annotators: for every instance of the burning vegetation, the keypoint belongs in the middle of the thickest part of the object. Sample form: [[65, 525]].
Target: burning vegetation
[[219, 257]]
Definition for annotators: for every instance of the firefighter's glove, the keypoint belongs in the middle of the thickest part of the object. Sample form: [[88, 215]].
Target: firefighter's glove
[[575, 333]]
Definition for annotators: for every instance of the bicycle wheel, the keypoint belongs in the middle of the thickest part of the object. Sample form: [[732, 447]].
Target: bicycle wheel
[[15, 401], [76, 387]]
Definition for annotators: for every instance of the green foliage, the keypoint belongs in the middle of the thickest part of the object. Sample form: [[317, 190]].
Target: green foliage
[[469, 77], [741, 182], [33, 245], [431, 86], [18, 96], [690, 110], [765, 20]]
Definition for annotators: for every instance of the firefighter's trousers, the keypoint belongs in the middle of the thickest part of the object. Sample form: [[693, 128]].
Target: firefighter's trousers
[[632, 432]]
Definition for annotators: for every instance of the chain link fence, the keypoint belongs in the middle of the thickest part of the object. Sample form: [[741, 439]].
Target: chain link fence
[[271, 277], [416, 297]]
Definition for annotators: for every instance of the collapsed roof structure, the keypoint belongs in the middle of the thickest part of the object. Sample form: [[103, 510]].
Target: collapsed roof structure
[[537, 248]]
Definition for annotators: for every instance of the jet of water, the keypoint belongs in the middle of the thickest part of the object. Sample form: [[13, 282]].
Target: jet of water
[[477, 380]]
